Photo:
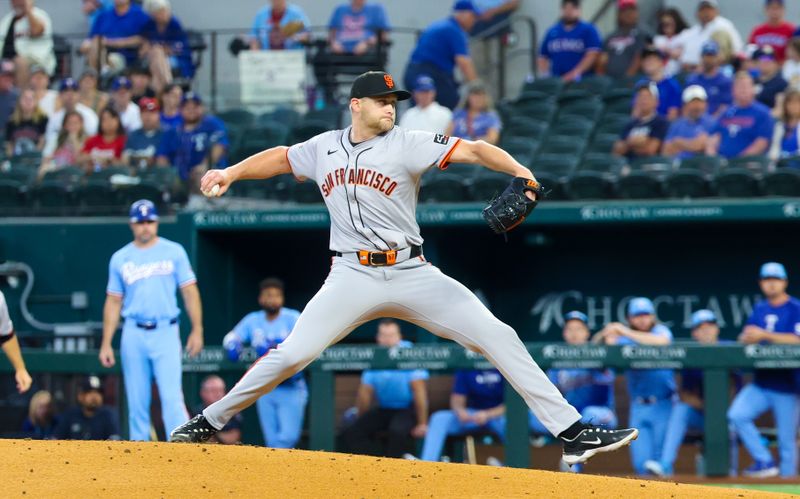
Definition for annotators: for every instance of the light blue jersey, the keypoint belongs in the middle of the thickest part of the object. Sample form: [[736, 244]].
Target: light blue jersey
[[264, 334], [147, 279], [393, 386]]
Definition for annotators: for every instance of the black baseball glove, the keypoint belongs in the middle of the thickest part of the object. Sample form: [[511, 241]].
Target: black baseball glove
[[510, 208]]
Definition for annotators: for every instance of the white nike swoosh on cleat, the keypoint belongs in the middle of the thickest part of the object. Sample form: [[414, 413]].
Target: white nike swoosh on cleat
[[591, 441]]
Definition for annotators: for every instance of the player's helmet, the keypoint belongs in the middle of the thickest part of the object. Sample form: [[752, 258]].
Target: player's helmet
[[143, 210]]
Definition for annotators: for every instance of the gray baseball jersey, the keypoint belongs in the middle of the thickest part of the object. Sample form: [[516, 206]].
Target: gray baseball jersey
[[371, 188], [6, 326]]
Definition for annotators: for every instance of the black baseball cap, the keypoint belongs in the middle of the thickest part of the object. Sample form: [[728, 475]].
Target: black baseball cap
[[376, 83], [91, 383]]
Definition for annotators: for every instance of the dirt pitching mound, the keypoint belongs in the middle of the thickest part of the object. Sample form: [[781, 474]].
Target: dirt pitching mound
[[135, 469]]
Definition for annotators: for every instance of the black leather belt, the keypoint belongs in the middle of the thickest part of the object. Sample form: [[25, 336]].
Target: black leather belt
[[150, 325], [383, 258]]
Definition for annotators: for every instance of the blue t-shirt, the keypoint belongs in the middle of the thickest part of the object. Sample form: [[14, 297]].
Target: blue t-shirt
[[479, 126], [483, 389], [782, 319], [393, 386], [645, 383], [109, 24], [186, 149], [565, 48], [669, 95], [147, 279], [175, 38], [262, 27], [770, 89], [741, 126], [354, 27], [684, 128], [264, 335], [143, 144], [789, 144], [655, 128], [174, 121], [584, 387], [718, 87], [440, 44]]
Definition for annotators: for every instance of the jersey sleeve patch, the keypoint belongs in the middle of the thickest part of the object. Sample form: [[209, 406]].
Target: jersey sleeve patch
[[441, 138]]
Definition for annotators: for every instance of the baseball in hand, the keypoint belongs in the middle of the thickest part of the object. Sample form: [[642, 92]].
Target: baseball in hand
[[213, 191]]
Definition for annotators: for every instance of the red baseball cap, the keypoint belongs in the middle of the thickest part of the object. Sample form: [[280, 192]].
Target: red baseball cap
[[624, 4], [148, 104]]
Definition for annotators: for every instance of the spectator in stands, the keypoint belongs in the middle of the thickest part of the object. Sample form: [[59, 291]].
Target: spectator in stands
[[643, 135], [212, 389], [776, 320], [650, 390], [88, 93], [41, 421], [46, 99], [669, 90], [710, 26], [669, 38], [280, 25], [689, 134], [140, 84], [791, 67], [31, 40], [476, 404], [442, 46], [105, 148], [166, 47], [92, 8], [786, 138], [196, 145], [140, 148], [571, 48], [26, 128], [68, 95], [746, 128], [475, 118], [776, 32], [9, 94], [622, 49], [171, 99], [115, 37], [353, 28], [718, 85], [770, 80], [67, 146], [90, 420], [401, 403], [493, 13], [122, 102], [427, 114]]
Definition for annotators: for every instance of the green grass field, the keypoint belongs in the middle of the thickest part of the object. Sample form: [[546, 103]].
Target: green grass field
[[783, 489]]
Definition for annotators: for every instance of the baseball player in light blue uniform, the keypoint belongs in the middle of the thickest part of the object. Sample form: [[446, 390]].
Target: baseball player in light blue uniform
[[281, 411], [774, 320], [142, 279], [651, 390]]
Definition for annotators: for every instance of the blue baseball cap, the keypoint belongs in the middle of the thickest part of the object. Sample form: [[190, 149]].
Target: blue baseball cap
[[68, 84], [465, 5], [640, 306], [710, 48], [143, 210], [121, 82], [424, 83], [193, 97], [575, 315], [773, 270], [703, 316]]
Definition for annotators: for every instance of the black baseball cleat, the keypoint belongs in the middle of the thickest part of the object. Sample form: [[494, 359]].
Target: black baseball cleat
[[593, 440], [196, 430]]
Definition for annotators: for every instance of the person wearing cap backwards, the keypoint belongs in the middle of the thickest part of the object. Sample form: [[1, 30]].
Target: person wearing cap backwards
[[643, 135], [775, 320], [687, 413], [571, 47], [68, 95], [622, 49], [142, 279], [369, 177], [31, 40], [745, 128], [590, 391], [718, 85], [776, 32], [651, 390], [140, 148], [196, 145], [427, 114], [688, 135], [441, 48], [122, 101], [771, 84], [709, 24], [669, 90], [90, 420]]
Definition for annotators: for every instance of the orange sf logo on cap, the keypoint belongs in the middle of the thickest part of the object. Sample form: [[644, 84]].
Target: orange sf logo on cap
[[389, 81]]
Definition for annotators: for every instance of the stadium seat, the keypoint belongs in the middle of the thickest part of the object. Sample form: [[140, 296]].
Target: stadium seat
[[96, 197], [547, 86], [539, 111], [108, 172], [573, 126], [52, 197], [522, 149], [273, 134], [590, 108], [783, 182], [590, 185], [145, 190], [601, 163], [486, 184], [735, 182], [306, 193], [708, 165], [444, 186], [756, 164], [687, 183], [12, 196], [330, 115], [602, 143], [554, 185], [523, 126], [557, 165], [24, 174], [612, 124], [286, 116], [68, 174], [307, 129], [237, 117], [659, 165], [789, 162], [639, 185], [30, 158], [165, 176], [557, 144], [594, 85]]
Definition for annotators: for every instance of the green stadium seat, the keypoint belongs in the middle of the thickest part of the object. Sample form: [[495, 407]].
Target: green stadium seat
[[554, 185], [237, 117], [539, 111], [573, 126], [602, 143], [487, 184], [165, 176], [639, 185], [12, 196], [687, 183], [557, 144], [443, 186], [96, 197], [522, 149], [23, 174], [306, 193], [625, 82], [558, 165], [590, 108], [736, 182], [307, 129], [590, 185], [756, 164], [68, 174], [784, 182], [466, 171], [708, 165], [612, 124], [52, 197], [107, 173], [546, 86], [522, 126], [30, 158], [601, 163], [594, 85], [331, 116], [284, 115], [145, 190], [659, 165]]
